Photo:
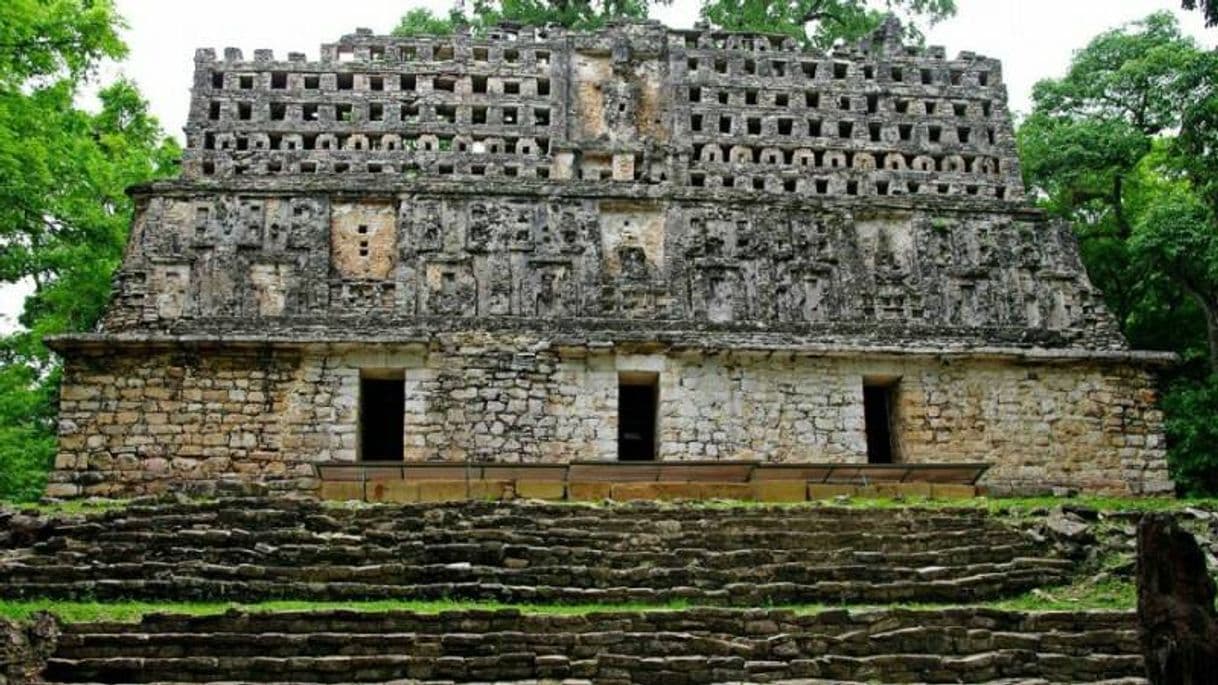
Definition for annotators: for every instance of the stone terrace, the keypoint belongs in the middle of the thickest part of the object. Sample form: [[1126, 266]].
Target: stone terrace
[[253, 549], [673, 648]]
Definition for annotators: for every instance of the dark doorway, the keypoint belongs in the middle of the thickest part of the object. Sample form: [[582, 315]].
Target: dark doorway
[[879, 400], [637, 401], [382, 406]]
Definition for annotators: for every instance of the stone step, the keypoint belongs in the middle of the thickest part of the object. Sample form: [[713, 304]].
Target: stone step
[[191, 588], [586, 681], [253, 549], [709, 620], [943, 641], [690, 668], [605, 521], [658, 576], [530, 555], [715, 535], [701, 620]]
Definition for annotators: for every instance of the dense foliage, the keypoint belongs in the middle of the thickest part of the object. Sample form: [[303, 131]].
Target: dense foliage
[[821, 22], [814, 22], [422, 22], [1125, 146], [578, 14], [63, 212]]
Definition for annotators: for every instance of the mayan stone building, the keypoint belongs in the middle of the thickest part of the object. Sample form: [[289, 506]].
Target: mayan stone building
[[537, 245]]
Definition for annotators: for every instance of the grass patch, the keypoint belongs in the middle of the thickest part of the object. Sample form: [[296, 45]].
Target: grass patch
[[1115, 595], [130, 612], [1110, 594], [72, 506]]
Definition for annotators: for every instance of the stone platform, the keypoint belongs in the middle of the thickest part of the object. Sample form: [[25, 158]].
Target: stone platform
[[650, 481]]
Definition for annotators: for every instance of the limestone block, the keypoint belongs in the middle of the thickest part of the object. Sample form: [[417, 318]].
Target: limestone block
[[392, 491], [443, 490], [903, 489], [732, 491], [63, 490], [952, 491], [584, 491], [541, 489], [656, 491], [490, 489], [830, 490], [341, 490], [780, 491]]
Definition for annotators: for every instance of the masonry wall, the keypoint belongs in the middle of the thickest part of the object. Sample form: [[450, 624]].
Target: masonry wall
[[134, 424]]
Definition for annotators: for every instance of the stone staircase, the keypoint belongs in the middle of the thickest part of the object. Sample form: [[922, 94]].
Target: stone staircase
[[249, 549], [705, 645]]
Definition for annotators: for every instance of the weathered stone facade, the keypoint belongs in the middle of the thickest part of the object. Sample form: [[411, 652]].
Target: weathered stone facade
[[512, 224]]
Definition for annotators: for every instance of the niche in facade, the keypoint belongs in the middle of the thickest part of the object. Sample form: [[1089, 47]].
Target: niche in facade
[[363, 239]]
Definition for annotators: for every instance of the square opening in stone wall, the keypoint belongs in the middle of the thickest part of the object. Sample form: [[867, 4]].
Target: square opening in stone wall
[[879, 416], [638, 402], [382, 407]]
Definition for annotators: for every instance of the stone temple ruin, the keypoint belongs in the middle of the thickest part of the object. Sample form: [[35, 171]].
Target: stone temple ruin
[[544, 246]]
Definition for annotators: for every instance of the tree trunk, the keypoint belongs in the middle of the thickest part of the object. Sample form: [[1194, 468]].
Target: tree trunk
[[1211, 330], [1178, 627], [1209, 309], [1124, 230]]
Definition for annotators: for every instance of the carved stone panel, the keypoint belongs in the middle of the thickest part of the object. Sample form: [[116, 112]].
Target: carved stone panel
[[718, 295], [363, 239], [592, 73], [551, 290], [632, 239], [801, 294], [450, 288], [271, 284], [171, 283], [886, 243]]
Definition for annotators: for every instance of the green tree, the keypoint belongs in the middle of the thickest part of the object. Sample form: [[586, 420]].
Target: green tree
[[821, 22], [576, 14], [63, 210], [1208, 7], [423, 22], [1124, 146]]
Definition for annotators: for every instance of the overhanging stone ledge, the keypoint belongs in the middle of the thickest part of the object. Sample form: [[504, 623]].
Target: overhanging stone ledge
[[578, 346]]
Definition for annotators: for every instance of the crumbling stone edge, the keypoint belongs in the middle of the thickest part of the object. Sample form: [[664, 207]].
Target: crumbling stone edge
[[25, 647]]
